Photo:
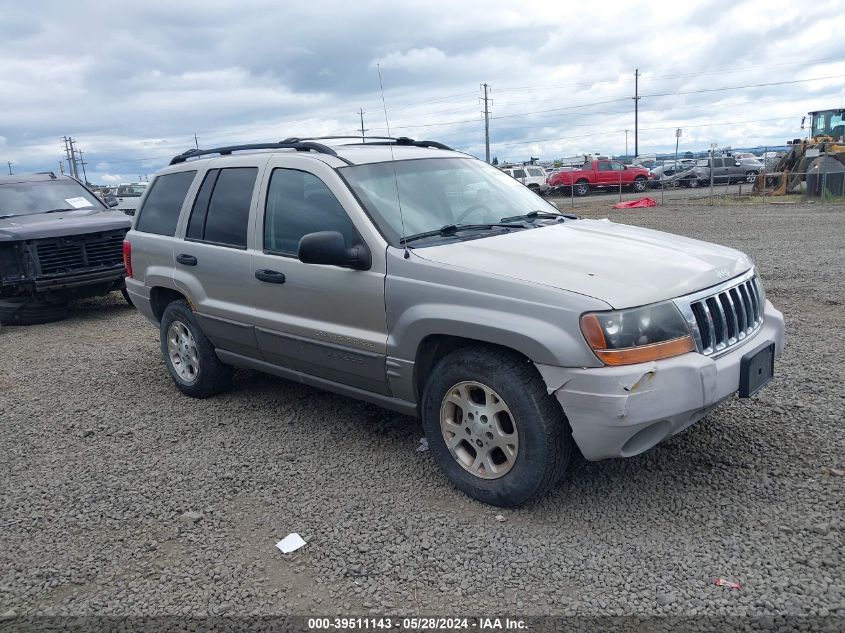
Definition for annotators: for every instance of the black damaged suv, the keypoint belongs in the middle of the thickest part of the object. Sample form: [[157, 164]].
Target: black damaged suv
[[58, 242]]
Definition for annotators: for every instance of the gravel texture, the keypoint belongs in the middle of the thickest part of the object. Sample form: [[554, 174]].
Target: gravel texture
[[118, 495]]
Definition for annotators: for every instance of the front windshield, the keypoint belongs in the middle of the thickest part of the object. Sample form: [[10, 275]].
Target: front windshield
[[39, 196], [435, 192]]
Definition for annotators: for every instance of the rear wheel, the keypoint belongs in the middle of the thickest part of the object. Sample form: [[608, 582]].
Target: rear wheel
[[750, 176], [693, 183], [639, 184], [126, 298], [493, 428], [189, 355], [582, 188]]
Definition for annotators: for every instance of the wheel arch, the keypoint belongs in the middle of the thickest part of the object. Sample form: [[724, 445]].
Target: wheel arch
[[161, 297]]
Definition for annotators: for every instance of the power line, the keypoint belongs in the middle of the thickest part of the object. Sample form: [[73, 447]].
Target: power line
[[772, 83]]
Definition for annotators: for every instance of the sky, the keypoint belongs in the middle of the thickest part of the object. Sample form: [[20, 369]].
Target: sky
[[133, 83]]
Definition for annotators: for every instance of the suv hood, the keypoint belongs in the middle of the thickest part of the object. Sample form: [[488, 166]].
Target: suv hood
[[625, 266], [76, 222]]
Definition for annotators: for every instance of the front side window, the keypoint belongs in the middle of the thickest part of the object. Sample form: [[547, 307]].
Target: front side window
[[434, 192], [160, 212], [299, 203], [519, 173], [617, 166], [221, 210], [604, 167]]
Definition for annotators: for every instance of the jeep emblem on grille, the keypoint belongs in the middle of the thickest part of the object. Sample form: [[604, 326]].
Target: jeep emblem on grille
[[723, 273]]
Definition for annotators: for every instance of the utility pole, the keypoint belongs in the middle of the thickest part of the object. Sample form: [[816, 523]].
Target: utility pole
[[486, 125], [67, 154], [677, 138], [196, 142], [626, 143], [62, 168], [83, 163], [361, 112], [636, 112], [74, 166], [9, 163]]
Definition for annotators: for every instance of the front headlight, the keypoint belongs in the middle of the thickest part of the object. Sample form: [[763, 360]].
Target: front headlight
[[625, 337]]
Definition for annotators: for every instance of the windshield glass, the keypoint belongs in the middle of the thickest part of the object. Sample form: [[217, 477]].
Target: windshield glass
[[39, 196], [435, 192]]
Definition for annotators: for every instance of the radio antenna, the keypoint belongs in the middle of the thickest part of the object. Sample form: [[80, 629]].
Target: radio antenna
[[392, 161]]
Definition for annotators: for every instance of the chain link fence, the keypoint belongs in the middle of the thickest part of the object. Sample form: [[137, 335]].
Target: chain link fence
[[824, 181]]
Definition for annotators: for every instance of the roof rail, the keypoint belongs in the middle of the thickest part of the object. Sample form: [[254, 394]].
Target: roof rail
[[297, 144]]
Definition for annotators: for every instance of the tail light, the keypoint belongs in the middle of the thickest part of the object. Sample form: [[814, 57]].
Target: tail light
[[127, 257]]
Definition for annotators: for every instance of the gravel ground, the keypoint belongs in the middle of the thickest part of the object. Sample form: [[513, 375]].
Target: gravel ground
[[101, 456]]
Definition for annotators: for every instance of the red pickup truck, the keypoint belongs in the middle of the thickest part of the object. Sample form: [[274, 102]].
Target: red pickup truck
[[600, 173]]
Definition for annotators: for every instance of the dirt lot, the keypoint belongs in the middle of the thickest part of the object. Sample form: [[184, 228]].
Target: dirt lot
[[101, 456]]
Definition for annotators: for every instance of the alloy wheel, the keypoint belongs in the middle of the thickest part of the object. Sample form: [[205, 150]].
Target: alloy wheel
[[479, 430]]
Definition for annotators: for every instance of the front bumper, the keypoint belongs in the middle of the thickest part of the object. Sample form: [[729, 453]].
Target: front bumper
[[624, 411]]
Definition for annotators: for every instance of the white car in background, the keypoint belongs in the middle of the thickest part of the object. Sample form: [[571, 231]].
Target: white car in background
[[129, 195], [532, 176]]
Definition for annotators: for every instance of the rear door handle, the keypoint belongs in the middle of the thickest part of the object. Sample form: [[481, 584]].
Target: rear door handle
[[270, 276], [187, 260]]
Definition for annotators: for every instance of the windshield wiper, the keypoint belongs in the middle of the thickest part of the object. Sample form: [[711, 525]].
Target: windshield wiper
[[450, 229], [540, 215], [57, 210]]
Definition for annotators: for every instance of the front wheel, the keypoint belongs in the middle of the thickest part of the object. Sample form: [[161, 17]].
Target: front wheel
[[493, 428], [750, 176], [639, 185], [693, 183], [189, 355]]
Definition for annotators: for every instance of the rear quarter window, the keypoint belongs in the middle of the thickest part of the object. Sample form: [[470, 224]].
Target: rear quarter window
[[160, 212]]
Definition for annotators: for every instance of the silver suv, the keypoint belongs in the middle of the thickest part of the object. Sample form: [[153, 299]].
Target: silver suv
[[426, 281]]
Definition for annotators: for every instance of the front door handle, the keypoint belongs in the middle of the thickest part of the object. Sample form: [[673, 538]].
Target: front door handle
[[187, 260], [270, 276]]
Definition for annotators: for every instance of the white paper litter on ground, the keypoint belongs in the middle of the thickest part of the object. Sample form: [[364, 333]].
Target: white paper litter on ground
[[290, 543], [423, 445]]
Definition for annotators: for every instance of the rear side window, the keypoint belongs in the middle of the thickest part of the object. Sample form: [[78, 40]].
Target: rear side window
[[221, 210], [299, 203], [160, 211]]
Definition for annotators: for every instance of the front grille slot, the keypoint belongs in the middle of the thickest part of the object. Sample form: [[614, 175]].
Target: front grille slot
[[727, 317], [60, 256]]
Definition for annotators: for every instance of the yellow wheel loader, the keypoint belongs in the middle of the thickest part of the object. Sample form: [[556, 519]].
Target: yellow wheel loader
[[811, 160]]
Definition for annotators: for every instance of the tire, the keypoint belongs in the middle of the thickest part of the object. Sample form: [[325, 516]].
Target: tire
[[751, 176], [582, 188], [126, 298], [639, 185], [693, 183], [189, 355], [33, 313], [531, 426]]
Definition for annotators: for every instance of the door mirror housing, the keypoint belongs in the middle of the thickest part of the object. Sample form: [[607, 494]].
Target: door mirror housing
[[329, 248]]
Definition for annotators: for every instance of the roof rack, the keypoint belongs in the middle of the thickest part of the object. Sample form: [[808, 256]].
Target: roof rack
[[297, 144], [387, 140]]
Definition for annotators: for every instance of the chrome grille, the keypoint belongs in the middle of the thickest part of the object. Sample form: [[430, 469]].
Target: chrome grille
[[79, 253], [722, 317]]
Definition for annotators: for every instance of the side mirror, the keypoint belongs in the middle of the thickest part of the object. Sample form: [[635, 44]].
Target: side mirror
[[329, 248], [112, 202]]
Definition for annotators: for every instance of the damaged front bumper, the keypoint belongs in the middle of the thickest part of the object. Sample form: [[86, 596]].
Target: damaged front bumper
[[624, 411]]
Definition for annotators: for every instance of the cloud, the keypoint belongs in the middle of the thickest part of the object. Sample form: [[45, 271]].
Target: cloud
[[140, 84], [111, 178], [427, 59]]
